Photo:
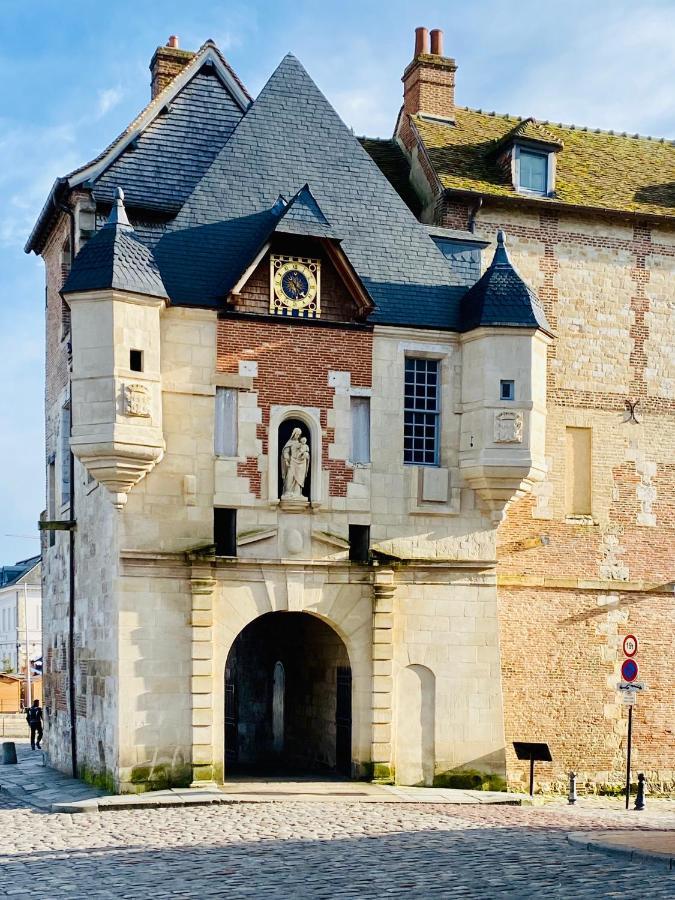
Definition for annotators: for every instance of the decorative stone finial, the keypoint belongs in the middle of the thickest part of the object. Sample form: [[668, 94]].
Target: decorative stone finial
[[118, 214], [501, 238]]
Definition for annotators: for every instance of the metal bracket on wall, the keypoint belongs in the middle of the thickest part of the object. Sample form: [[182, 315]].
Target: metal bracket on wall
[[632, 411], [57, 525]]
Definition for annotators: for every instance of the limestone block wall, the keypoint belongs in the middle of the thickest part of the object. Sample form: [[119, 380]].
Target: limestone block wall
[[96, 635], [448, 715], [155, 670], [55, 548], [452, 526], [172, 507]]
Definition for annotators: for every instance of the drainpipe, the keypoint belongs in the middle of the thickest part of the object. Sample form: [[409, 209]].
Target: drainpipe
[[71, 536], [474, 212]]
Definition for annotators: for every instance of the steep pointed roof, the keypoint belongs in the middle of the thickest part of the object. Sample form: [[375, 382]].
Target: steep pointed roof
[[161, 155], [115, 258], [501, 297], [303, 216], [290, 137]]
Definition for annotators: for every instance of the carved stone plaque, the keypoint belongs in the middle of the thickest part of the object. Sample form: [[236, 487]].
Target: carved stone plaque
[[137, 400], [508, 427]]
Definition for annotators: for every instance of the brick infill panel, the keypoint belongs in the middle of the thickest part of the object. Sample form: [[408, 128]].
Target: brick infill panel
[[293, 365]]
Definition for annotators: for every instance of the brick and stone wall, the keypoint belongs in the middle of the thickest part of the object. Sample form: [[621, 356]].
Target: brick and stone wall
[[292, 365], [571, 586]]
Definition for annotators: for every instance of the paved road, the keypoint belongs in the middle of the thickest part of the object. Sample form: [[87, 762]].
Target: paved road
[[319, 850]]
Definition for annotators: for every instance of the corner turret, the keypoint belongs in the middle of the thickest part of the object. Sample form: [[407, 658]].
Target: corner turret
[[115, 294], [504, 345]]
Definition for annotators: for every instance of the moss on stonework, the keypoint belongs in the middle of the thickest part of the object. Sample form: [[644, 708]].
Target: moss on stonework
[[161, 776], [470, 779], [104, 780], [202, 773], [383, 772]]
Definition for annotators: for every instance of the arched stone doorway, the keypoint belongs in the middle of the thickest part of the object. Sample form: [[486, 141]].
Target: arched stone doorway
[[288, 698]]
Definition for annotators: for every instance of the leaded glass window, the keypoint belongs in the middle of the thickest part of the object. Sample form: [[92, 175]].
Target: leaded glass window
[[421, 412]]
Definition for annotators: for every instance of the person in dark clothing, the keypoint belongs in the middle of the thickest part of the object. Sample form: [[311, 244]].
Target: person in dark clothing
[[34, 719]]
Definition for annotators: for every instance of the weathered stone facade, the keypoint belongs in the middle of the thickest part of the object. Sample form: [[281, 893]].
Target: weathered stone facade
[[462, 629]]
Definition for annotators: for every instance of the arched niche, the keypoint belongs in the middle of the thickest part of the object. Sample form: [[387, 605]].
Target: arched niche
[[415, 726], [286, 428], [282, 420]]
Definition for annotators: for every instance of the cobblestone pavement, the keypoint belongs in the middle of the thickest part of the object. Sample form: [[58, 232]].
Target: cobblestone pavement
[[322, 850]]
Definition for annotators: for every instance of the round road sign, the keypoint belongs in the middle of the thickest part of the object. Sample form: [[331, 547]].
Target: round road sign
[[629, 670], [630, 645]]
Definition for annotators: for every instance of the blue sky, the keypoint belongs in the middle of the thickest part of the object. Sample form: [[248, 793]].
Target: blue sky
[[74, 73]]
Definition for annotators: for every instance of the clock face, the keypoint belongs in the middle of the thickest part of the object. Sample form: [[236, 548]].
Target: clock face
[[295, 286]]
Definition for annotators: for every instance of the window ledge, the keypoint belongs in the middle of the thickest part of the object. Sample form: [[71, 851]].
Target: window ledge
[[580, 520]]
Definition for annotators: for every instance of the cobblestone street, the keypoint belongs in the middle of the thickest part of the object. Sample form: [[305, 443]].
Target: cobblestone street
[[322, 850]]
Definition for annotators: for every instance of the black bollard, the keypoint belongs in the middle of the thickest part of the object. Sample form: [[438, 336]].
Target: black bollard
[[8, 753], [572, 795], [640, 799]]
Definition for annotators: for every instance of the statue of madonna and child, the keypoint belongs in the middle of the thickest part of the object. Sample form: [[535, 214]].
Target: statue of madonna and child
[[294, 465]]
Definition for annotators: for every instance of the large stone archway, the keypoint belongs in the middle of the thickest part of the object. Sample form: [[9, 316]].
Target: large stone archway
[[337, 598], [288, 698]]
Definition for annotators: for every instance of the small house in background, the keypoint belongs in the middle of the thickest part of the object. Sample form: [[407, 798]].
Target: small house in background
[[20, 615]]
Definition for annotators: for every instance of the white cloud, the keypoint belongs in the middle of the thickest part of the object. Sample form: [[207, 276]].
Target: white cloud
[[108, 99], [31, 157]]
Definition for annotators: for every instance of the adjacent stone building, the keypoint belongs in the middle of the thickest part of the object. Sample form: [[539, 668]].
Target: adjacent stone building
[[359, 453]]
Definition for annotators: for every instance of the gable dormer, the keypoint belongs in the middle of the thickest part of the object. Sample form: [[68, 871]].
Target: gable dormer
[[527, 157], [300, 271]]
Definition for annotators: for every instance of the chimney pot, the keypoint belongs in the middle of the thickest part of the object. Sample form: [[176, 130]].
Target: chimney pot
[[166, 63], [421, 41], [429, 79]]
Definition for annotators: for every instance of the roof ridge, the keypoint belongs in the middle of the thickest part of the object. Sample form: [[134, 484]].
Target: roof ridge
[[193, 67], [590, 129]]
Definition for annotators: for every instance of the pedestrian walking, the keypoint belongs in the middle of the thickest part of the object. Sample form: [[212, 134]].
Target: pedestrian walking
[[34, 719]]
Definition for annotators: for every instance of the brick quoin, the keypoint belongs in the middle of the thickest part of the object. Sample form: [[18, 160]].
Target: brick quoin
[[293, 365]]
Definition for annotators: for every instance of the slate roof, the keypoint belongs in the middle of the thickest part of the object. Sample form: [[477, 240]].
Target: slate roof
[[175, 151], [303, 216], [290, 137], [176, 137], [115, 258], [594, 169], [501, 297], [391, 161]]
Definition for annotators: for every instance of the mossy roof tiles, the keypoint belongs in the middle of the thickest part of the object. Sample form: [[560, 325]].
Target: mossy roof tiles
[[595, 169]]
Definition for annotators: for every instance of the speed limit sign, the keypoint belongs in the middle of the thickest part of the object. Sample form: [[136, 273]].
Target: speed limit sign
[[630, 645]]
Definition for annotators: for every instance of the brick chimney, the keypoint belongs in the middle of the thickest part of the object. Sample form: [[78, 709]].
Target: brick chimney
[[429, 80], [166, 63]]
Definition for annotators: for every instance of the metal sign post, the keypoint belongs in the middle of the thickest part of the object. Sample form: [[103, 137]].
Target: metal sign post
[[629, 688], [630, 735]]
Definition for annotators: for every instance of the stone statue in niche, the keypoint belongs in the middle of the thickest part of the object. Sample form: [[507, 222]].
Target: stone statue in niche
[[508, 427], [294, 465], [137, 400]]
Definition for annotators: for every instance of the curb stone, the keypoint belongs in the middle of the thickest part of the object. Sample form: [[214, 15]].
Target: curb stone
[[633, 854]]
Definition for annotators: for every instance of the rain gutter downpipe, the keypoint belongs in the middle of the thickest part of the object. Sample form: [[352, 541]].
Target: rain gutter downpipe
[[71, 531]]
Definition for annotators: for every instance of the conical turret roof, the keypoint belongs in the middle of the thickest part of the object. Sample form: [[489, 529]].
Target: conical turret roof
[[115, 258], [501, 297]]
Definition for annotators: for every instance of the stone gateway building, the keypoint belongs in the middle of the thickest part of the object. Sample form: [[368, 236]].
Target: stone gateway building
[[359, 452]]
